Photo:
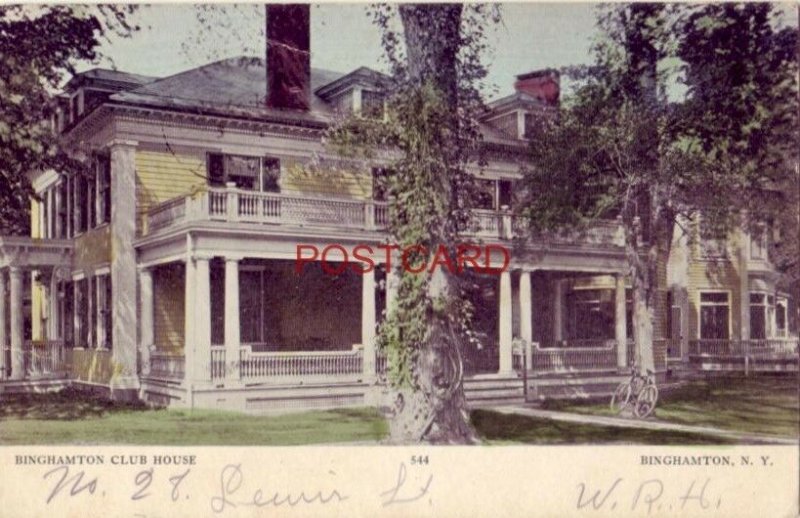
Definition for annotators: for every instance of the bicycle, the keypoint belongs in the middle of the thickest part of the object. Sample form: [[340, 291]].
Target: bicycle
[[639, 392]]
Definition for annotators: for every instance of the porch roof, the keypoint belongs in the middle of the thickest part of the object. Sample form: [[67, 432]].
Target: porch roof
[[28, 251]]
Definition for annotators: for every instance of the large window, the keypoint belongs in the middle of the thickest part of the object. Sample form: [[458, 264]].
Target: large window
[[104, 314], [251, 173], [781, 328], [715, 315], [103, 175], [591, 314]]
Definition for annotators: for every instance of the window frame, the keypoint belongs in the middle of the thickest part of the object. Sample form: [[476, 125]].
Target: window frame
[[700, 305]]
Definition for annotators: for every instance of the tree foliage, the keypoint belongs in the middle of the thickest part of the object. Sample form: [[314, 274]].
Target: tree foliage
[[39, 46], [620, 147]]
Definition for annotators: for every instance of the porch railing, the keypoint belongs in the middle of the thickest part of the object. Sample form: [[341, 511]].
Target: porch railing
[[166, 365], [237, 205], [43, 358], [565, 359], [254, 366], [770, 347]]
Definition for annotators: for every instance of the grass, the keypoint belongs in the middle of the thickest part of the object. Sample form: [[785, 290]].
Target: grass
[[496, 428], [767, 405], [72, 417]]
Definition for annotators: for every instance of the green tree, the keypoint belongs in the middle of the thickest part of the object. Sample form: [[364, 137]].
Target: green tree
[[432, 112], [39, 46], [619, 148]]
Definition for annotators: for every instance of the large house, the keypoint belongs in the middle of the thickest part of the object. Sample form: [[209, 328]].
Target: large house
[[168, 273]]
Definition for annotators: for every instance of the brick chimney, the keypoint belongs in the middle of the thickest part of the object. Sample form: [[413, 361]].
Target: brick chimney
[[544, 85], [288, 56]]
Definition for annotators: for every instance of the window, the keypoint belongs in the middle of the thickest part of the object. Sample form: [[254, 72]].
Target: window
[[103, 168], [591, 314], [372, 104], [63, 210], [104, 313], [713, 239], [758, 316], [780, 319], [380, 187], [714, 315], [247, 172], [82, 337], [484, 194], [504, 193], [758, 243]]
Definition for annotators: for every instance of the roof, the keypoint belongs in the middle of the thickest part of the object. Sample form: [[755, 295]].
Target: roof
[[229, 85], [237, 87], [115, 79]]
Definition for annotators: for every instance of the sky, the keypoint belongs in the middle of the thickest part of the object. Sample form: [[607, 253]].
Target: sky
[[531, 37]]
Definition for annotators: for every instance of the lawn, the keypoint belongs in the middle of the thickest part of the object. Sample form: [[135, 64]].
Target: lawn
[[765, 404], [72, 417]]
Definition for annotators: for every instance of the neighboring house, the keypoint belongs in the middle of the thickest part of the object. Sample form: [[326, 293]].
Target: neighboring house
[[168, 273]]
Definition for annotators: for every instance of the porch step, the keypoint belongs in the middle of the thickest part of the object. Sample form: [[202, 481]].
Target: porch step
[[492, 391], [34, 386]]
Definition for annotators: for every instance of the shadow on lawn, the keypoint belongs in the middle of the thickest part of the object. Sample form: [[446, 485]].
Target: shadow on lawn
[[65, 405]]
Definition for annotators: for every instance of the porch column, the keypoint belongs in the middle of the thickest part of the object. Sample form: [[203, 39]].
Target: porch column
[[124, 382], [232, 329], [620, 328], [189, 322], [53, 317], [558, 311], [202, 316], [526, 314], [392, 284], [3, 325], [368, 323], [505, 322], [17, 360], [147, 317]]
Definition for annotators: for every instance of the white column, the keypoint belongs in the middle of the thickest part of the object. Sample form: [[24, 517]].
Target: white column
[[392, 285], [744, 287], [620, 327], [368, 323], [3, 325], [558, 311], [147, 334], [53, 317], [232, 329], [202, 325], [17, 360], [124, 382], [526, 314], [189, 322], [505, 323]]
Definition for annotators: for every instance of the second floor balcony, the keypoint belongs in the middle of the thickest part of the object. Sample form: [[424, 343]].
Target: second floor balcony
[[233, 205]]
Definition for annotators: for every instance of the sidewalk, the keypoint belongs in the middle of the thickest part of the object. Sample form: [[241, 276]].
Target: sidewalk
[[648, 424]]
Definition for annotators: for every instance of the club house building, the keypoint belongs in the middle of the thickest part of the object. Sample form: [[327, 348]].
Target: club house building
[[167, 273]]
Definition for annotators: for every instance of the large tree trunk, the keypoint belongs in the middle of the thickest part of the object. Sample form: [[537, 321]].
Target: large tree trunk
[[435, 410]]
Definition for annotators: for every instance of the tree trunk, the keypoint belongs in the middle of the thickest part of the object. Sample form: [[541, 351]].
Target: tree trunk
[[435, 410]]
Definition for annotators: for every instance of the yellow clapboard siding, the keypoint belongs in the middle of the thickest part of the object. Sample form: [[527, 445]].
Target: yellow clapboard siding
[[168, 306], [299, 179], [161, 176]]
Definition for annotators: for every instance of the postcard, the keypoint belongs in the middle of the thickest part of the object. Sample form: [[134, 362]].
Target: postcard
[[349, 259]]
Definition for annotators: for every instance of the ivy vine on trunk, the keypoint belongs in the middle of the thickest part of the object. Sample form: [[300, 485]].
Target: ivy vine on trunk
[[432, 108]]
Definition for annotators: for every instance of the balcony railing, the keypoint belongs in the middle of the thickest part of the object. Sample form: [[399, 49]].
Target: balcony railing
[[236, 205], [262, 366]]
